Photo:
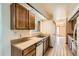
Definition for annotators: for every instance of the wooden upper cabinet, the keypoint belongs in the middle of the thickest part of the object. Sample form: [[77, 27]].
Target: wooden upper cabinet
[[31, 21], [19, 17]]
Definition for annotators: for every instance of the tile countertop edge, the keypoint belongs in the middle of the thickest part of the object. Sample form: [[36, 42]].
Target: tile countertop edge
[[19, 46]]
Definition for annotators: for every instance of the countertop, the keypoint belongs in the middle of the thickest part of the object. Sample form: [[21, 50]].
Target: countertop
[[26, 44]]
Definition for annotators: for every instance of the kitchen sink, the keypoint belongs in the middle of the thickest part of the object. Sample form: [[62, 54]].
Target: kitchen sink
[[19, 40]]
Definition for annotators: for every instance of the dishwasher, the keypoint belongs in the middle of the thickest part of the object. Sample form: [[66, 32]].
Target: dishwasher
[[39, 48]]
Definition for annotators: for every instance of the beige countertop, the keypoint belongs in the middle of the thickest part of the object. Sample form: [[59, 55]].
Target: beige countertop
[[26, 44]]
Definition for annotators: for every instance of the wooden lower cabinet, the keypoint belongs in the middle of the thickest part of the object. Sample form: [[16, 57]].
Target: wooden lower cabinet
[[32, 53], [29, 51], [37, 49], [15, 51], [45, 45]]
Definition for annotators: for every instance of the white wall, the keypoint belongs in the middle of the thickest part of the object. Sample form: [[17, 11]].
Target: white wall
[[0, 32], [7, 33], [48, 27]]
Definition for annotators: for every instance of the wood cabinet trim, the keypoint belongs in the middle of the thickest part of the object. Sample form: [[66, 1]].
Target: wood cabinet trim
[[12, 8]]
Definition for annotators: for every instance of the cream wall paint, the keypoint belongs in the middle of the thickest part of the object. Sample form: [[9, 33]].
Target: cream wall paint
[[7, 33], [48, 27]]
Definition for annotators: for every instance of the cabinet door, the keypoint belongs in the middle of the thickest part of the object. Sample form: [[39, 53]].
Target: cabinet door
[[32, 53], [21, 17], [47, 44], [28, 50], [44, 47], [31, 21]]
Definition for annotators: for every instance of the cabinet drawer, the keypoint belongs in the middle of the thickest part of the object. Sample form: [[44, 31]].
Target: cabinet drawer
[[32, 53], [29, 49]]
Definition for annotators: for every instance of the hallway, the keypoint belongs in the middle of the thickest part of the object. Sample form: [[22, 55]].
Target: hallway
[[60, 48]]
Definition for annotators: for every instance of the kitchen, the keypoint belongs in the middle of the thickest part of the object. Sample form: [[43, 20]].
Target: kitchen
[[30, 29]]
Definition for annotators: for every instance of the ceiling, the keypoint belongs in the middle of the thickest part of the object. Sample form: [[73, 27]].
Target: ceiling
[[49, 9]]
